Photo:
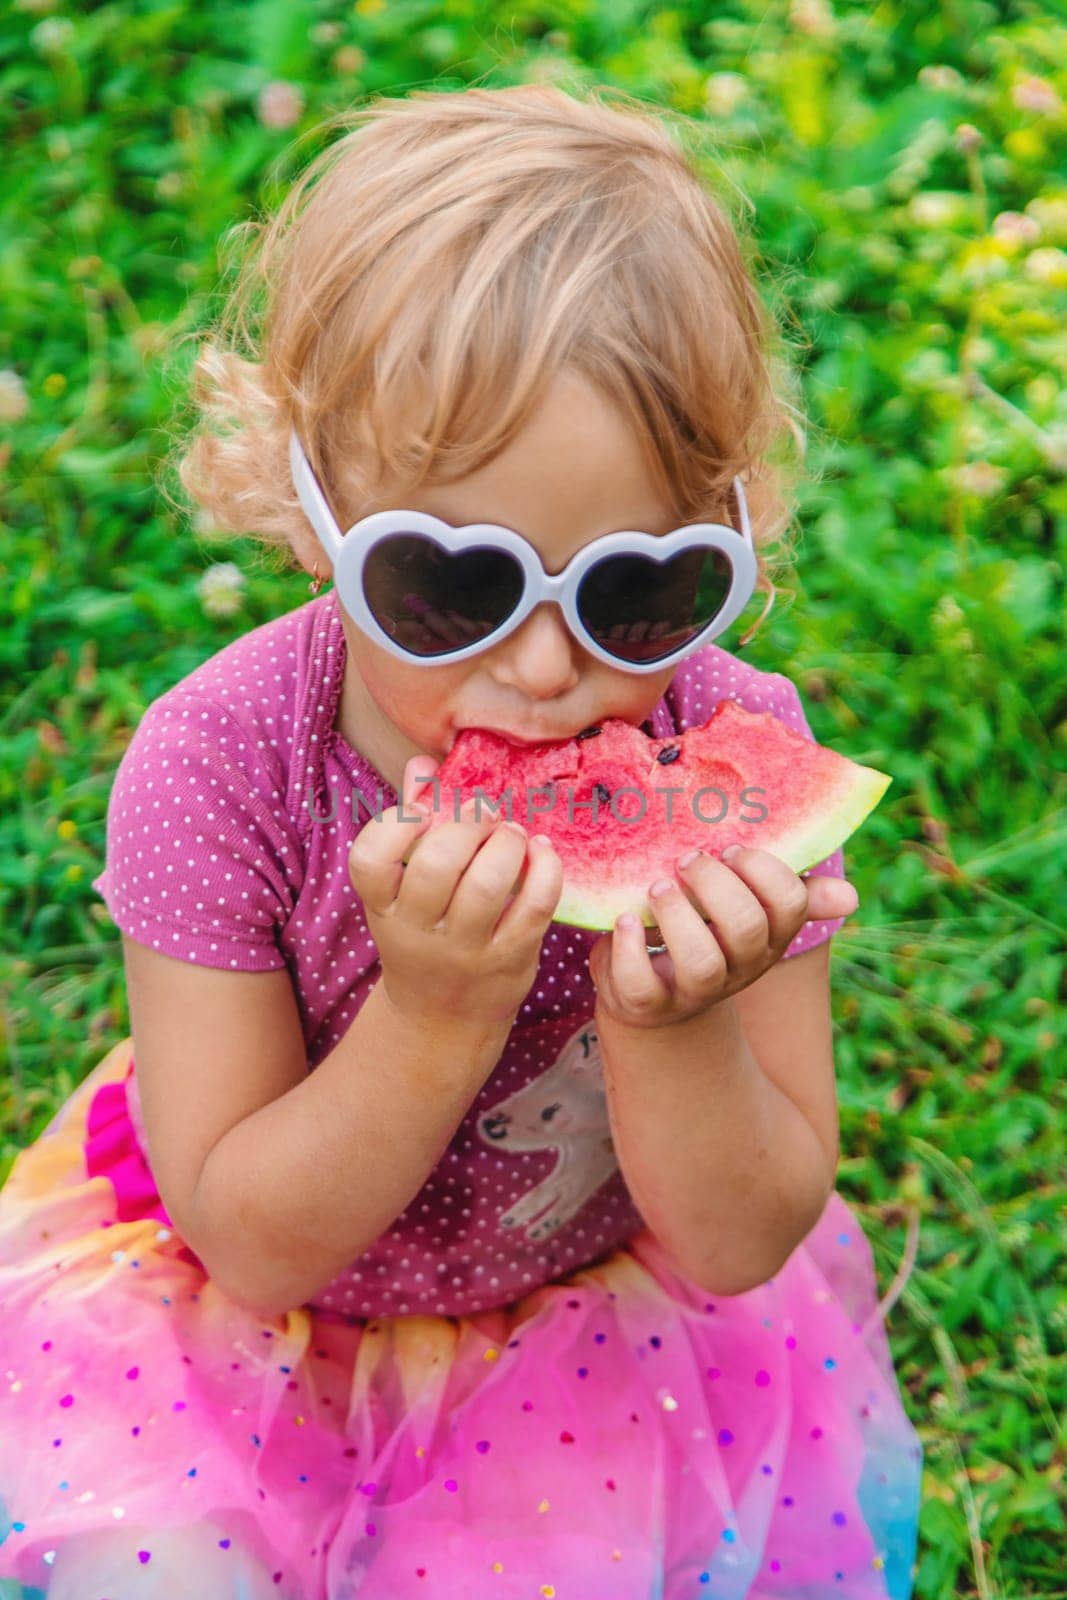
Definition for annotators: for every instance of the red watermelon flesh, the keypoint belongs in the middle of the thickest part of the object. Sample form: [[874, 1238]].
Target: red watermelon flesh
[[741, 777]]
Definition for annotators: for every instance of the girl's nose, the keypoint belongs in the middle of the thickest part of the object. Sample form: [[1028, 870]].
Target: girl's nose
[[538, 659]]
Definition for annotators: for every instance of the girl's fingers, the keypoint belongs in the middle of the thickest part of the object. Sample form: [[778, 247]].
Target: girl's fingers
[[537, 899], [830, 897], [375, 861], [632, 972], [479, 898], [430, 878], [696, 952], [749, 903]]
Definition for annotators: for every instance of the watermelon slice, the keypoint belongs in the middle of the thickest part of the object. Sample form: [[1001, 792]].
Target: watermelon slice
[[602, 798]]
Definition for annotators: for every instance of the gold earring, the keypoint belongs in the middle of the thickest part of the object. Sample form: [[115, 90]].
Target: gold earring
[[316, 583]]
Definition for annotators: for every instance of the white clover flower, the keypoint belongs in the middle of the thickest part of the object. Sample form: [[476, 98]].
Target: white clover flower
[[1016, 227], [169, 185], [348, 60], [1037, 94], [1047, 266], [1050, 214], [207, 528], [14, 402], [982, 478], [936, 208], [811, 16], [724, 92], [968, 137], [937, 76], [220, 588], [983, 352], [948, 610], [279, 105], [52, 35]]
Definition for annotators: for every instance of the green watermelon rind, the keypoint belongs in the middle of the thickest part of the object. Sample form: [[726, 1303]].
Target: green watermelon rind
[[803, 845]]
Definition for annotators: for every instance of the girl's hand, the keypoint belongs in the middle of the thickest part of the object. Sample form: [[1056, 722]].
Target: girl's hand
[[756, 904], [446, 949]]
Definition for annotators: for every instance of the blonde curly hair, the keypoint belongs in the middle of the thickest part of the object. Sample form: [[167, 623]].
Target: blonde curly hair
[[433, 269]]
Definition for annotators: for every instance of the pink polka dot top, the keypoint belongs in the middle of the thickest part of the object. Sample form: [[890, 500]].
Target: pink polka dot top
[[217, 852]]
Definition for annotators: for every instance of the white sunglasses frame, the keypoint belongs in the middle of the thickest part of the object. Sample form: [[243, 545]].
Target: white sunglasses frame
[[348, 555]]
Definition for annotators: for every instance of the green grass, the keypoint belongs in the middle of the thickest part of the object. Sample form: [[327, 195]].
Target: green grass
[[925, 632]]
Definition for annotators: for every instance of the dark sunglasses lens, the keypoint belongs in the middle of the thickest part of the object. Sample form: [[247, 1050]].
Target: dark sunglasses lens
[[641, 610], [433, 601]]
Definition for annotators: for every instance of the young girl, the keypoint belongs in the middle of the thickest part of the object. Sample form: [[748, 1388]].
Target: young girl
[[430, 1246]]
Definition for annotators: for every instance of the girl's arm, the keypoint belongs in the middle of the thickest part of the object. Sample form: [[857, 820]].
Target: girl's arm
[[730, 1157], [276, 1177]]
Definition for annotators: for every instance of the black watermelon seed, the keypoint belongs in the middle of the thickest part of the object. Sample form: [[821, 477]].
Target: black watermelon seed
[[670, 753], [588, 733], [603, 793]]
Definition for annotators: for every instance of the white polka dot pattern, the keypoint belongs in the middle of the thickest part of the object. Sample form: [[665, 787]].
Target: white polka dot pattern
[[229, 827]]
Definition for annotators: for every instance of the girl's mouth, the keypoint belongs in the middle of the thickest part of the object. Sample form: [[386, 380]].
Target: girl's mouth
[[517, 738]]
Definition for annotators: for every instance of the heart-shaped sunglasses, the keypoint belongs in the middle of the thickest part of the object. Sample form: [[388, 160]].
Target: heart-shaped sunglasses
[[429, 592]]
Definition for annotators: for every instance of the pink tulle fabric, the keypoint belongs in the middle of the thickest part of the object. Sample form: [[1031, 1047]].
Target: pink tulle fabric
[[617, 1434]]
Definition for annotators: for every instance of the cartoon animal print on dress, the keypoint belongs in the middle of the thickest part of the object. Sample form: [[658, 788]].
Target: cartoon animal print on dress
[[565, 1109]]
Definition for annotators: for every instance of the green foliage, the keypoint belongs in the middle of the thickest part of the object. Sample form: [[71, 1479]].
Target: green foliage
[[905, 165]]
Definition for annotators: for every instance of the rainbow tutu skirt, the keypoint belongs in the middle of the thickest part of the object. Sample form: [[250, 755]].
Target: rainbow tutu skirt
[[618, 1434]]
